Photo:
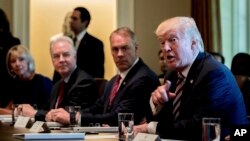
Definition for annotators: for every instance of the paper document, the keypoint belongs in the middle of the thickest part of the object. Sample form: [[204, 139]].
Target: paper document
[[6, 118], [54, 124]]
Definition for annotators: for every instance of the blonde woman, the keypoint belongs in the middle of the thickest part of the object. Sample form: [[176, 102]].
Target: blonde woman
[[27, 87]]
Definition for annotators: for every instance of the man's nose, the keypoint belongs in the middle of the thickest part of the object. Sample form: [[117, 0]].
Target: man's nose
[[120, 52], [167, 47], [61, 58]]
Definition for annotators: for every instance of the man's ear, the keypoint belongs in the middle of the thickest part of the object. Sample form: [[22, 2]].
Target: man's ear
[[136, 47], [194, 44]]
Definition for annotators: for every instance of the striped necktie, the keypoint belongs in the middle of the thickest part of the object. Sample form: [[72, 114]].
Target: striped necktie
[[178, 93]]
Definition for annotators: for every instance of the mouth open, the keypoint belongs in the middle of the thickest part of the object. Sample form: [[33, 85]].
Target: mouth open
[[170, 57]]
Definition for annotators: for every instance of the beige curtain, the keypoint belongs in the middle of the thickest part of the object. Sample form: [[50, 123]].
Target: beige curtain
[[206, 13]]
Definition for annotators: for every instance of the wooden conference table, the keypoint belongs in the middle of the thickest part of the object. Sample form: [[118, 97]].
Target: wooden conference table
[[7, 131]]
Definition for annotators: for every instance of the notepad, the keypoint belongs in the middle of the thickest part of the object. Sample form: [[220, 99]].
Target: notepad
[[49, 136]]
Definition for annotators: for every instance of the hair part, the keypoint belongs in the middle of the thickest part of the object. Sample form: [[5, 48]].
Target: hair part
[[63, 39], [185, 25], [126, 32]]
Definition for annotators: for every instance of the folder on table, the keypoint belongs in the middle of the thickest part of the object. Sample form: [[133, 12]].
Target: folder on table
[[50, 136], [96, 129]]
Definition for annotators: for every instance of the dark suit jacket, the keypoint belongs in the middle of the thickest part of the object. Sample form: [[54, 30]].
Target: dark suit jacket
[[90, 56], [6, 42], [133, 96], [210, 90], [80, 90]]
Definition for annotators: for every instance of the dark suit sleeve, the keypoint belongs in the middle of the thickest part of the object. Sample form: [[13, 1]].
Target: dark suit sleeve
[[98, 70], [213, 95], [135, 98], [84, 94]]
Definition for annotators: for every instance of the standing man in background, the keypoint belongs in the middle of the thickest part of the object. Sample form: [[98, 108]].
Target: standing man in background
[[90, 54]]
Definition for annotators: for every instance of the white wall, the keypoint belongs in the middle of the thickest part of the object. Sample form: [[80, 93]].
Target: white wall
[[6, 6], [148, 15], [46, 18]]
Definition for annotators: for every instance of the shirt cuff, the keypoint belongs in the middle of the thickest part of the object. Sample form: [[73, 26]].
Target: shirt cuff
[[152, 127], [155, 109]]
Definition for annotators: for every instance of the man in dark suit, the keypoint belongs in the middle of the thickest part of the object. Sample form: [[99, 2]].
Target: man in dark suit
[[135, 86], [208, 88], [90, 54], [76, 88]]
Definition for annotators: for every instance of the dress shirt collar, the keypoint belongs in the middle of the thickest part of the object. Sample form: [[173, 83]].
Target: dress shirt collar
[[79, 38], [124, 74]]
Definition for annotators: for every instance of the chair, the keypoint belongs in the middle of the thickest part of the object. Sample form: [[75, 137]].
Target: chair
[[101, 83], [241, 64], [244, 85], [241, 70]]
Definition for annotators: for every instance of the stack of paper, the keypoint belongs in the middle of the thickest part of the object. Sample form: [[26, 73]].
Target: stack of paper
[[6, 118]]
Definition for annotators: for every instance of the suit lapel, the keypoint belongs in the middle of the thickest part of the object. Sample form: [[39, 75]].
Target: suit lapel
[[123, 85], [54, 97], [108, 93], [193, 77], [84, 40], [72, 81]]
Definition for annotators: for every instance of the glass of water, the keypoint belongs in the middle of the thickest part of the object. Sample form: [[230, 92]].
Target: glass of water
[[16, 111], [211, 129], [126, 124], [75, 116]]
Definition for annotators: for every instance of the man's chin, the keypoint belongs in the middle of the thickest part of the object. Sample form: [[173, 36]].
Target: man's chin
[[122, 68], [63, 71]]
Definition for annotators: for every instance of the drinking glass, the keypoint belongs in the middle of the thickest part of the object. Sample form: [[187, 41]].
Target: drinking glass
[[75, 116], [126, 124], [211, 129], [16, 111]]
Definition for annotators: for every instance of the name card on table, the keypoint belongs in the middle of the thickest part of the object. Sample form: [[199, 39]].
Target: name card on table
[[146, 137], [23, 122], [40, 127]]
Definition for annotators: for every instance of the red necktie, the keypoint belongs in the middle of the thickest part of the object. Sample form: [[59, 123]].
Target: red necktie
[[60, 94], [114, 89]]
